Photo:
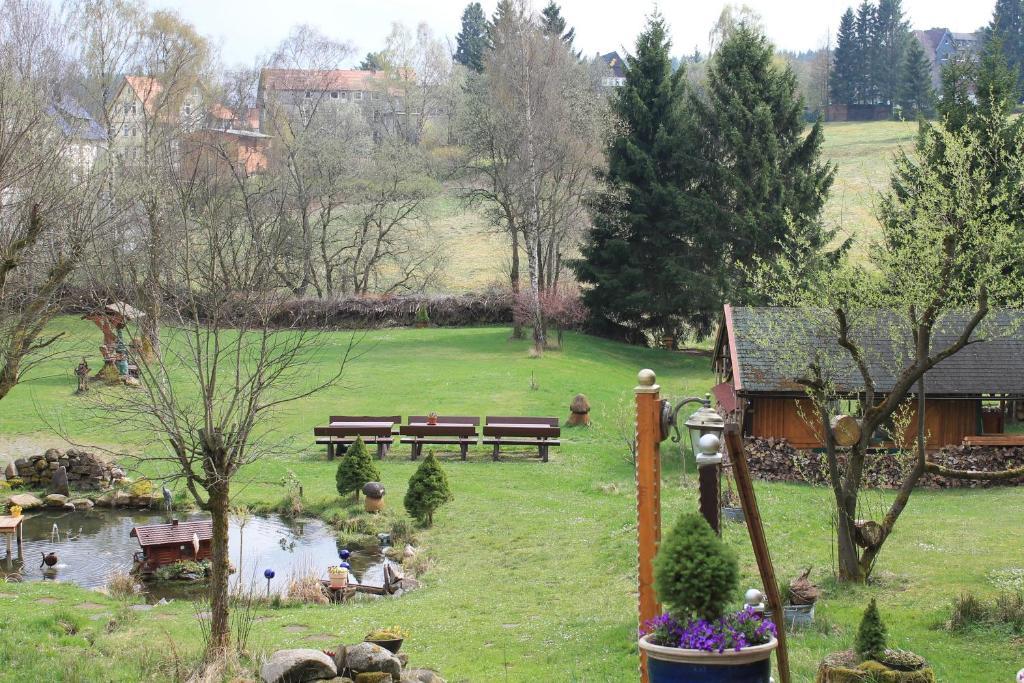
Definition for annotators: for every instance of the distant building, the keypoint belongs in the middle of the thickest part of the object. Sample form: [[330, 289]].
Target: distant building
[[86, 138], [141, 104], [942, 45], [615, 75]]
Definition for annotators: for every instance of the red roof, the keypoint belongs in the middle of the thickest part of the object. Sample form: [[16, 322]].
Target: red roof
[[319, 80], [176, 533]]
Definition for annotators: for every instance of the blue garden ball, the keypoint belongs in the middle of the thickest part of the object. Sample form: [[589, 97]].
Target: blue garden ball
[[344, 553], [269, 573], [345, 565]]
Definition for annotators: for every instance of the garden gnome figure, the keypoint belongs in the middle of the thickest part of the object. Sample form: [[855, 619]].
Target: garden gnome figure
[[579, 412], [82, 371]]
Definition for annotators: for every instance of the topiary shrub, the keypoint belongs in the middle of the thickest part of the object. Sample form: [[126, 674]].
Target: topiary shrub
[[355, 468], [428, 490], [695, 573], [870, 643]]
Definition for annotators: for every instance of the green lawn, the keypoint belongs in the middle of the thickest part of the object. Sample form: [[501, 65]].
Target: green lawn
[[534, 572]]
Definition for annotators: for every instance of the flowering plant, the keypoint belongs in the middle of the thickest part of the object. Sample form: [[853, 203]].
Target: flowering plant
[[729, 632]]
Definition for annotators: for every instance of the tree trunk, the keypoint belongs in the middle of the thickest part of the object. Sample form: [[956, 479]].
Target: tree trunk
[[848, 555], [517, 324], [151, 322], [220, 624]]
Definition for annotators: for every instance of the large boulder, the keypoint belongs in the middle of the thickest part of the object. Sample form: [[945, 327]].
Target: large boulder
[[298, 666], [56, 500], [11, 471], [368, 658], [26, 501], [59, 483], [82, 503]]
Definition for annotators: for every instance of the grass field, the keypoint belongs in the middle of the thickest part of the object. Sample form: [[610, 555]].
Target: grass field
[[534, 565], [862, 152]]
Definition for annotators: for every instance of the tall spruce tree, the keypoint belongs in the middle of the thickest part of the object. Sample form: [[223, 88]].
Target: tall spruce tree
[[843, 77], [553, 23], [471, 42], [649, 267], [890, 37], [1007, 26], [864, 85], [916, 94], [766, 176]]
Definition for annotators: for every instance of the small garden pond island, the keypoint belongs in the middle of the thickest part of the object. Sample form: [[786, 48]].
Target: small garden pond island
[[92, 545]]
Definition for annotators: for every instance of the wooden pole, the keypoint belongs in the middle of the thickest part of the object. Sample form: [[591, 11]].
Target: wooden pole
[[745, 488], [648, 494]]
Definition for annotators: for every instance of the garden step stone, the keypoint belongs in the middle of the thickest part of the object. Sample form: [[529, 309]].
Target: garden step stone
[[369, 658], [56, 500], [26, 500], [298, 666]]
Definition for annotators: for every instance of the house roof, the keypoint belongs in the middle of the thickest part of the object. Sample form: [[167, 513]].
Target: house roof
[[319, 80], [75, 121], [175, 533], [146, 88], [614, 62], [759, 343]]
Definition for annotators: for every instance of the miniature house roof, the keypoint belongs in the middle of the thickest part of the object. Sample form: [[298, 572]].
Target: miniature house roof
[[124, 310], [755, 347], [175, 533]]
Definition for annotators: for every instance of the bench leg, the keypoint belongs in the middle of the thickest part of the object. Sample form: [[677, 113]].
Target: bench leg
[[494, 454], [464, 449], [330, 450], [381, 452], [416, 450], [543, 452]]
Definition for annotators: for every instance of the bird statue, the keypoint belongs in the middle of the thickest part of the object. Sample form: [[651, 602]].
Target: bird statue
[[195, 545], [49, 559], [167, 499]]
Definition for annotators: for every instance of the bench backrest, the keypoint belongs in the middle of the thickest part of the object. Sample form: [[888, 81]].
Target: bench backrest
[[497, 420], [455, 419], [366, 418]]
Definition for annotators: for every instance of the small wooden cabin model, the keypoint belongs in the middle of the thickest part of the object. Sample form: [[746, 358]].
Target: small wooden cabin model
[[164, 544], [967, 394]]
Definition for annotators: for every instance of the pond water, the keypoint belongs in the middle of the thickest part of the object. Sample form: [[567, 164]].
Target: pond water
[[92, 545]]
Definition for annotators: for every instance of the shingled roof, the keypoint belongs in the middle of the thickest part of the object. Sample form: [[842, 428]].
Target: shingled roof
[[760, 342], [176, 533]]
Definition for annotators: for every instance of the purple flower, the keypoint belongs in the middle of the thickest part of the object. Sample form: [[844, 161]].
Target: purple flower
[[730, 632]]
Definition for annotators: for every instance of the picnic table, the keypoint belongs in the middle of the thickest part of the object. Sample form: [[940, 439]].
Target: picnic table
[[449, 430], [542, 432], [11, 526], [344, 429]]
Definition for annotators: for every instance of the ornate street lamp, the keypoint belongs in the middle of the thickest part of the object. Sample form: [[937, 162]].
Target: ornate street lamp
[[705, 428]]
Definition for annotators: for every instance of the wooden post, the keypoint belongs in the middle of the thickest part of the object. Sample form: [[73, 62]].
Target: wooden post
[[648, 493], [745, 488]]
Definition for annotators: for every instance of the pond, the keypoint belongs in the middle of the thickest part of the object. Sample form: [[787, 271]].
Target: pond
[[92, 545]]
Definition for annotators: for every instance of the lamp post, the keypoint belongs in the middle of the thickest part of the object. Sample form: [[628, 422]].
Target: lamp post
[[705, 428]]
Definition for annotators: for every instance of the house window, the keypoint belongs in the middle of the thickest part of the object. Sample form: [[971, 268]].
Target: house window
[[357, 95], [334, 94], [344, 94], [188, 110], [129, 109], [309, 94]]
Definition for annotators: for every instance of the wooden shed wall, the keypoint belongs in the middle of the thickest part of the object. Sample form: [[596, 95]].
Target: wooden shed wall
[[947, 422], [161, 555]]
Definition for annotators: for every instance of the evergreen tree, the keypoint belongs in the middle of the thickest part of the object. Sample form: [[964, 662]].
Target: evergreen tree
[[864, 86], [916, 94], [649, 266], [843, 78], [766, 176], [870, 642], [1007, 26], [373, 61], [355, 468], [471, 42], [428, 490], [890, 37], [553, 23]]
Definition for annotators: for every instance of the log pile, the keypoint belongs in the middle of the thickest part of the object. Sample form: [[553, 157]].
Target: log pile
[[776, 460]]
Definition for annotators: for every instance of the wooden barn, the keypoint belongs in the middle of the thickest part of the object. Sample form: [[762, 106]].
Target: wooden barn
[[967, 394], [164, 544]]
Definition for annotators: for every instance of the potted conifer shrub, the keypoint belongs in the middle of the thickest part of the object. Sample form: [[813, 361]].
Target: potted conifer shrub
[[428, 490], [355, 469], [696, 576]]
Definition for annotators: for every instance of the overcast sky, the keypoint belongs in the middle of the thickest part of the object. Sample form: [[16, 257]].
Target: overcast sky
[[246, 29]]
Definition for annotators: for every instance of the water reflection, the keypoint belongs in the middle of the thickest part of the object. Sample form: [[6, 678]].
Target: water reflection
[[91, 545]]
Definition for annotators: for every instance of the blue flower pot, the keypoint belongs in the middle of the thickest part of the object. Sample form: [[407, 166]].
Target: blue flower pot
[[676, 665]]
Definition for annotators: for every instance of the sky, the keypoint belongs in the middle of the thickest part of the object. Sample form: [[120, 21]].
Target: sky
[[247, 29]]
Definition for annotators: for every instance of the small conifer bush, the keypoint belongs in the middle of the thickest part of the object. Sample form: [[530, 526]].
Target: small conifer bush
[[871, 634], [355, 468], [695, 573], [428, 490]]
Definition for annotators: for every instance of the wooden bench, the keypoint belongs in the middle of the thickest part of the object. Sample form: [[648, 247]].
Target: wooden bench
[[1000, 440], [343, 430], [542, 432], [450, 430]]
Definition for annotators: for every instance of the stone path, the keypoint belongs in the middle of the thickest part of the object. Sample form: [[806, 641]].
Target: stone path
[[295, 628], [90, 605], [47, 601]]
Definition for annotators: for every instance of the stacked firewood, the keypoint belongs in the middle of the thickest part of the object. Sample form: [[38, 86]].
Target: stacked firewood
[[776, 460]]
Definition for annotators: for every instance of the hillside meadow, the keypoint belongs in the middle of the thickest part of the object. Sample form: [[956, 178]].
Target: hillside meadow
[[532, 573]]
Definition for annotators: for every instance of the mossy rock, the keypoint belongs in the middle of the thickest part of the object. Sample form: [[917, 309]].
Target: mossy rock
[[838, 670], [374, 677]]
